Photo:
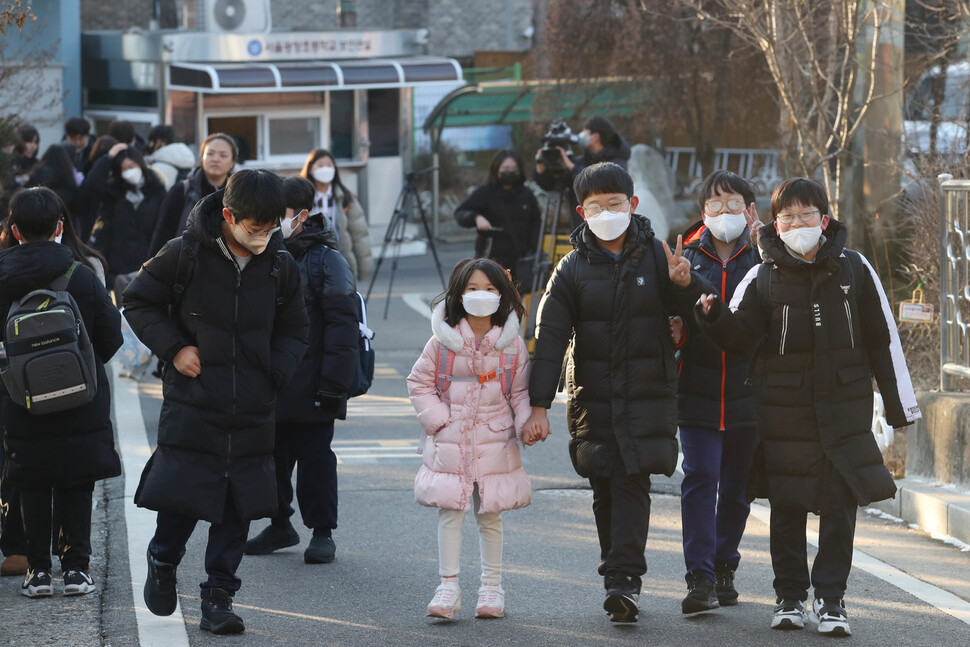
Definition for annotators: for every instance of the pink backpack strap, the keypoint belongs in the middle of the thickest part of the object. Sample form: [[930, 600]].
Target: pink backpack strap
[[508, 370], [444, 365]]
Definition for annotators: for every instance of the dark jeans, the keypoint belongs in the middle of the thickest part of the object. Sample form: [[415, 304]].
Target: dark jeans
[[836, 533], [316, 478], [223, 553], [713, 501], [621, 507], [12, 540], [74, 515]]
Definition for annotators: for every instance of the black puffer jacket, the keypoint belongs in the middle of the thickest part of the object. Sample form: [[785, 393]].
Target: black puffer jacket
[[621, 378], [122, 233], [178, 204], [330, 364], [215, 433], [69, 447], [825, 331], [514, 211], [712, 392]]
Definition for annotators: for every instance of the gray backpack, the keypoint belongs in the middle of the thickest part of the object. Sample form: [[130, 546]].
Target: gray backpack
[[50, 363]]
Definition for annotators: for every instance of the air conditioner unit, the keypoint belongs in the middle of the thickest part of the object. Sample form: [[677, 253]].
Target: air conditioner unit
[[237, 16]]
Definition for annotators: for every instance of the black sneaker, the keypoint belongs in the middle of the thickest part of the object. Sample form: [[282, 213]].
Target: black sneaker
[[727, 595], [831, 617], [78, 583], [273, 538], [789, 614], [217, 615], [160, 595], [700, 594], [37, 585], [622, 598], [320, 551]]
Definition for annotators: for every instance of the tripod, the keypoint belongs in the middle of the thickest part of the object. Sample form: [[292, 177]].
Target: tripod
[[544, 262], [407, 201]]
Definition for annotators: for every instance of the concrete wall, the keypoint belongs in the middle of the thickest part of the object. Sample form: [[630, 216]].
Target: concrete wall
[[938, 445]]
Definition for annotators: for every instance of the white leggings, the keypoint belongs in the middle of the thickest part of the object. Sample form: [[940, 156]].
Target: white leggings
[[489, 540]]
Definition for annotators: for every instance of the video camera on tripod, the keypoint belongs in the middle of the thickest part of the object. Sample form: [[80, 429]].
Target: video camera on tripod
[[558, 136]]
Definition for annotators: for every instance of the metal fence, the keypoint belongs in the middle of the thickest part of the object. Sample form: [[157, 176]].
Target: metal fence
[[954, 290]]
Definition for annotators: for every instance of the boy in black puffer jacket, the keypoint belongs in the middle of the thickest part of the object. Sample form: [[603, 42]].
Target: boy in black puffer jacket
[[612, 295], [232, 343], [306, 409], [823, 329], [59, 454]]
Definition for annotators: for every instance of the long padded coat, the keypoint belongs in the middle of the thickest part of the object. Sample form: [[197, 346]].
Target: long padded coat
[[68, 447], [621, 377], [216, 431], [824, 333], [473, 430]]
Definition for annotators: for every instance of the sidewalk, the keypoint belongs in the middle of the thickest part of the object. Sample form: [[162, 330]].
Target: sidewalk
[[935, 508]]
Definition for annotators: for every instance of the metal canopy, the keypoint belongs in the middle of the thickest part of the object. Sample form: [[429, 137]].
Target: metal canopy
[[511, 102], [300, 76]]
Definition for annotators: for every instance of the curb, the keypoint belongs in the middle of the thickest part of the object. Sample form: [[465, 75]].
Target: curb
[[937, 509]]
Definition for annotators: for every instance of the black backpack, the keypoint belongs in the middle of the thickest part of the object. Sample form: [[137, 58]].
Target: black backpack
[[50, 363]]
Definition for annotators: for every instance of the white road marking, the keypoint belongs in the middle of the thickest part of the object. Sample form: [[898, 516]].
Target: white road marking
[[153, 631], [416, 301]]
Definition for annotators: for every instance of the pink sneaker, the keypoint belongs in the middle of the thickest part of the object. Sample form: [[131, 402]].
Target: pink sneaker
[[446, 601], [491, 602]]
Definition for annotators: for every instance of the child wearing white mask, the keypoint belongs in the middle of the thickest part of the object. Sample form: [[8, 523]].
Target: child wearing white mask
[[470, 390], [715, 407]]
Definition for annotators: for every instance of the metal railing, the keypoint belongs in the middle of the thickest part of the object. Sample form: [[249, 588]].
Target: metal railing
[[954, 290], [760, 166]]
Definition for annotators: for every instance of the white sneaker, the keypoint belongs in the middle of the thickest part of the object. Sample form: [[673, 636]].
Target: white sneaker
[[491, 602], [37, 585], [789, 614], [831, 617], [78, 583], [446, 601]]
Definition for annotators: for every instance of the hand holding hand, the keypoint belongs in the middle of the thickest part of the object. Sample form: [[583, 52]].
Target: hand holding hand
[[536, 428], [187, 361], [482, 223], [754, 223], [677, 266], [706, 301]]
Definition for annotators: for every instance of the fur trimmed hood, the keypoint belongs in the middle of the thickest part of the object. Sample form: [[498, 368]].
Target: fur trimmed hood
[[454, 338]]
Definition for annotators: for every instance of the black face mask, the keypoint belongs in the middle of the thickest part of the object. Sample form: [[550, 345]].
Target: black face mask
[[510, 177]]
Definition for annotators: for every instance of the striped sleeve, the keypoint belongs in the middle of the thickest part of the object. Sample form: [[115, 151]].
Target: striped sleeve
[[881, 339], [739, 291]]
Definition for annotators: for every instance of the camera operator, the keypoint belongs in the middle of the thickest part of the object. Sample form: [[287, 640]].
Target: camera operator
[[505, 212], [600, 142]]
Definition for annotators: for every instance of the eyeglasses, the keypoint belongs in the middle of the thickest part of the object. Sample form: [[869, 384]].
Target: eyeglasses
[[262, 233], [594, 209], [734, 205], [789, 218]]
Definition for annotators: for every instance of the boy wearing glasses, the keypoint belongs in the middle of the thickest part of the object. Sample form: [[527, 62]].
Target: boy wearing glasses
[[823, 329], [611, 296], [232, 338]]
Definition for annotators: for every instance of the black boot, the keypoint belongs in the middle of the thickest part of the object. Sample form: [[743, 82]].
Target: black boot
[[727, 595], [217, 615], [700, 594], [273, 538]]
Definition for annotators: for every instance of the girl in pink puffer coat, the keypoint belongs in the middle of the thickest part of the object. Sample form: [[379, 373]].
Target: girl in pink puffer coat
[[472, 428]]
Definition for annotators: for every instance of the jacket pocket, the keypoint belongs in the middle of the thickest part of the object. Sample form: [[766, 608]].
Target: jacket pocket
[[784, 380], [851, 374], [501, 423], [848, 319], [784, 330]]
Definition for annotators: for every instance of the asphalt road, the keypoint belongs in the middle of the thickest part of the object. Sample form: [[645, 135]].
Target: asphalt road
[[386, 568]]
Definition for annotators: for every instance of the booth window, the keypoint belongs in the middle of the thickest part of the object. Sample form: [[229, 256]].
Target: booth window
[[342, 124], [293, 135], [383, 115], [245, 130]]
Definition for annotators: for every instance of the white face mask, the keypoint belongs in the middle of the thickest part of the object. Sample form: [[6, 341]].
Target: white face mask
[[133, 176], [803, 239], [726, 226], [324, 174], [480, 303], [583, 139], [609, 225], [289, 225]]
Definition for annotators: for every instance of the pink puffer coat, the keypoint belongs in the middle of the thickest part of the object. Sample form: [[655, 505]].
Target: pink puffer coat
[[473, 432]]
